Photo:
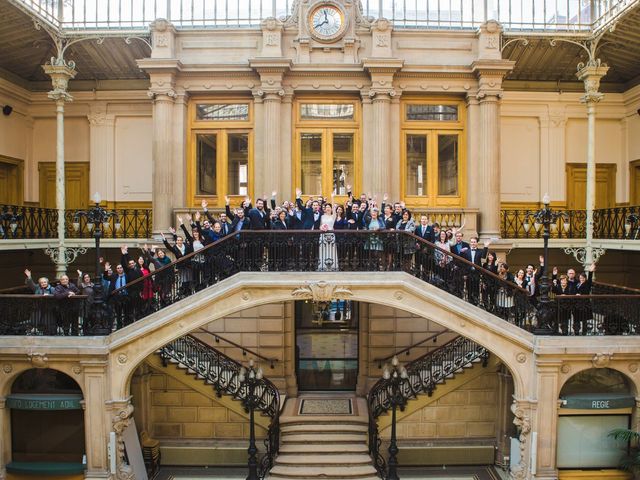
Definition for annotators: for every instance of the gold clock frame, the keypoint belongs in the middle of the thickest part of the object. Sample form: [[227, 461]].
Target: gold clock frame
[[343, 15]]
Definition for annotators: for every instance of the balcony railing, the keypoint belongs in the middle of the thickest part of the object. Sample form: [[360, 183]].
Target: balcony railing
[[621, 223], [520, 15], [337, 251], [25, 223]]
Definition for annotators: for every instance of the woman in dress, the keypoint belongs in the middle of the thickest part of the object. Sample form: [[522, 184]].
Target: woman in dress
[[391, 245], [374, 245], [408, 243], [328, 253], [441, 258]]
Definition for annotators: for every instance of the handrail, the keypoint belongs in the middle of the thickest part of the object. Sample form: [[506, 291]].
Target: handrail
[[223, 373], [433, 337], [245, 350]]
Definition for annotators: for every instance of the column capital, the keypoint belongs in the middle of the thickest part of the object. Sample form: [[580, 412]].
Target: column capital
[[167, 95], [591, 74], [60, 73]]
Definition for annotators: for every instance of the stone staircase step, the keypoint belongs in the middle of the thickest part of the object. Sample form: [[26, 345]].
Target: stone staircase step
[[321, 449], [323, 438], [319, 428], [341, 472], [337, 459]]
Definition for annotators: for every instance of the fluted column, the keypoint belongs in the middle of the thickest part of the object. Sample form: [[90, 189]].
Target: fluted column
[[60, 74], [286, 134], [488, 180], [272, 133], [180, 136], [473, 167], [379, 174], [259, 142], [163, 178]]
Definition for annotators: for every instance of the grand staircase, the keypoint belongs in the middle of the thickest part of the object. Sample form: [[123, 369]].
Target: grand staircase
[[328, 447]]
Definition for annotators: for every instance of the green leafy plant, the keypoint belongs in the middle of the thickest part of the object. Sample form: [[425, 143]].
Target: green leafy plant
[[631, 461]]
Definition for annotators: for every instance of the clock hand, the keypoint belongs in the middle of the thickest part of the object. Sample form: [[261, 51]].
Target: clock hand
[[320, 24]]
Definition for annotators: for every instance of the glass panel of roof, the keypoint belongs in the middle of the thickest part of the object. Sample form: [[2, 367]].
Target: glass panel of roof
[[326, 111], [222, 112]]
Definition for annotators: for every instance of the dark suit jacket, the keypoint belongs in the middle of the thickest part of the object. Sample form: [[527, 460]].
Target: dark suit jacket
[[246, 224], [480, 254], [307, 219], [426, 235], [258, 220]]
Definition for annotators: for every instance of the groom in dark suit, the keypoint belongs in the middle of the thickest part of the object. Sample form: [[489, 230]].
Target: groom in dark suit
[[309, 220]]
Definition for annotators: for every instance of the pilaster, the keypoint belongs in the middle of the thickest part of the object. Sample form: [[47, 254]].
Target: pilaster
[[286, 134], [473, 156], [180, 136], [96, 431], [490, 73], [381, 92], [102, 151], [5, 437], [546, 421], [163, 141]]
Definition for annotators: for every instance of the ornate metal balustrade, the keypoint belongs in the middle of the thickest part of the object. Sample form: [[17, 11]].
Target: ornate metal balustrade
[[423, 376], [223, 374], [621, 223], [344, 251], [25, 223], [22, 314]]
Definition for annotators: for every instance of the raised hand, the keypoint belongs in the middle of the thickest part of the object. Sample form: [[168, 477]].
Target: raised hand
[[197, 216], [226, 200], [592, 267], [153, 248], [107, 266], [79, 273], [298, 193], [555, 270], [188, 215], [204, 205], [487, 243], [124, 249], [348, 188], [541, 259], [162, 235], [172, 230], [27, 272], [273, 194], [385, 197], [180, 220]]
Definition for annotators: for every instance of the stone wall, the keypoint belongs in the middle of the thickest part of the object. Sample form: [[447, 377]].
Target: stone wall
[[176, 411], [468, 412]]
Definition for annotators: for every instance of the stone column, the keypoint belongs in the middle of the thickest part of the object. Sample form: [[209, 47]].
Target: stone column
[[180, 136], [61, 72], [504, 425], [393, 162], [367, 145], [163, 178], [286, 188], [102, 156], [95, 431], [591, 75], [488, 179], [272, 142], [380, 146], [473, 137]]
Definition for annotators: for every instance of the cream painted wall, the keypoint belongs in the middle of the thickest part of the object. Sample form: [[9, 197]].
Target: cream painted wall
[[520, 167], [76, 139], [633, 126], [14, 133], [133, 169]]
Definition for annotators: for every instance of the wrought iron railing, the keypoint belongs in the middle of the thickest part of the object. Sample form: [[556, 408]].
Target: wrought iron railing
[[341, 250], [621, 223], [24, 223], [223, 374], [527, 15], [423, 376], [22, 314]]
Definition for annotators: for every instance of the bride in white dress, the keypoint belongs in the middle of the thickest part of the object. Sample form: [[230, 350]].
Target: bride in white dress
[[328, 253]]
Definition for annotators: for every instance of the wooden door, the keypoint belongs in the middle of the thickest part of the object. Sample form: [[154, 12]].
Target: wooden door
[[11, 181], [577, 185], [76, 184], [634, 182]]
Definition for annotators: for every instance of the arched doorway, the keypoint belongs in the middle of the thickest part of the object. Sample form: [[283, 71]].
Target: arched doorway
[[47, 426], [593, 403]]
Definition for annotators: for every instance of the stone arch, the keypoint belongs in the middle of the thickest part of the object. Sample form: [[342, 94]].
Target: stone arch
[[632, 383], [130, 346], [15, 369]]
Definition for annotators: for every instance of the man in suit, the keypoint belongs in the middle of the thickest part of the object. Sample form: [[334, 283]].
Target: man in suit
[[310, 217], [460, 246], [259, 219], [259, 216], [473, 276], [424, 231], [118, 296]]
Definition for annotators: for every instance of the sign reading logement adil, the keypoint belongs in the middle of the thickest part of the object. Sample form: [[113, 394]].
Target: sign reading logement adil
[[44, 402]]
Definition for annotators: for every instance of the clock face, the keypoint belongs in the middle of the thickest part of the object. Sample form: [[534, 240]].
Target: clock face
[[326, 21]]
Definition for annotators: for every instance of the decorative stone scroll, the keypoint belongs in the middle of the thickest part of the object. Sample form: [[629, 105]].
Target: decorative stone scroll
[[120, 421], [321, 292], [522, 421]]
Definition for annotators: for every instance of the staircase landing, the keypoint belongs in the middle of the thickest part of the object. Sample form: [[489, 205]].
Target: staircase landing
[[331, 446]]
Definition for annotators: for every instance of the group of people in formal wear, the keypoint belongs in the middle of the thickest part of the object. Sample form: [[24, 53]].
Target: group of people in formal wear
[[381, 244]]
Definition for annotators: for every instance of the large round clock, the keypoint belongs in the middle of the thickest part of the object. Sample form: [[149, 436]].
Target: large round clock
[[327, 21]]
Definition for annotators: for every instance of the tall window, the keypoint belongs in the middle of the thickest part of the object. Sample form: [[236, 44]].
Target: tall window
[[221, 150], [431, 152], [327, 147]]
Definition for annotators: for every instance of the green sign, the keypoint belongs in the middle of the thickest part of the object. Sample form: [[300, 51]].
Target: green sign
[[595, 401], [22, 401]]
